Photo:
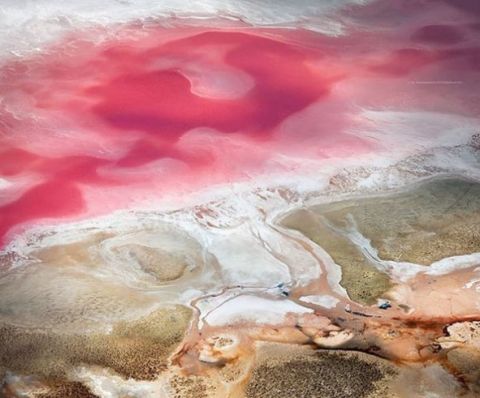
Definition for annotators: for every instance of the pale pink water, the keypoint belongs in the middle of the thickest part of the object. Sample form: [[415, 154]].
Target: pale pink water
[[90, 128]]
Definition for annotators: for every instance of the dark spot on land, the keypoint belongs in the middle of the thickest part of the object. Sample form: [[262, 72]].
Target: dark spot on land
[[71, 389]]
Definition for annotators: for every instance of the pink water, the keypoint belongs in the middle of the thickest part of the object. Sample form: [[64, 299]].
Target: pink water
[[89, 128]]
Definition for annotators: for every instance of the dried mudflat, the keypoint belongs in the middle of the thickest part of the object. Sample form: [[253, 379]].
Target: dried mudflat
[[155, 254], [284, 371], [89, 280], [425, 223], [364, 283]]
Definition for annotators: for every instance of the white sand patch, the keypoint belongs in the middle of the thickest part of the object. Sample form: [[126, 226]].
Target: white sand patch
[[324, 300], [27, 25], [4, 183], [418, 129], [106, 384], [244, 261], [254, 309]]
